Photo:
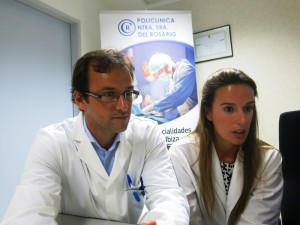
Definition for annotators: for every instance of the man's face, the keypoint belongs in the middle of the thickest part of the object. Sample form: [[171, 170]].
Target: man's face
[[106, 119]]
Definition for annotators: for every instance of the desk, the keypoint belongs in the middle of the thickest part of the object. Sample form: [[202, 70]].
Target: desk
[[77, 220]]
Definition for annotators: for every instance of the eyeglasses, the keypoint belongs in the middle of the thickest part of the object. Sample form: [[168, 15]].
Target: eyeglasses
[[113, 96]]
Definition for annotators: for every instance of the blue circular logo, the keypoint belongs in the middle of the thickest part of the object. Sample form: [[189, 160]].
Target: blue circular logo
[[126, 27]]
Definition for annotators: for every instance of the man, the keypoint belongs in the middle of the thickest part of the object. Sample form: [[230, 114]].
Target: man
[[182, 94], [105, 163]]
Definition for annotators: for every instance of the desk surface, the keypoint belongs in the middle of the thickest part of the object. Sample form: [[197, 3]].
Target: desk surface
[[77, 220]]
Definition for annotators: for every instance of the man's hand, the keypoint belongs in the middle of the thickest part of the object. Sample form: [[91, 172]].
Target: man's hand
[[150, 223]]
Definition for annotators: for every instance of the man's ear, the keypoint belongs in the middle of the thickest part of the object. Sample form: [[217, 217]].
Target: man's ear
[[79, 100]]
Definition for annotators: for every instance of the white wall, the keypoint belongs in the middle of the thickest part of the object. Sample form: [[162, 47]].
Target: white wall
[[265, 39], [81, 12], [35, 74]]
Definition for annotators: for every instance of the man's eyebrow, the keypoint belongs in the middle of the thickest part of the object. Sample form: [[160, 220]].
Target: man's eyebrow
[[114, 89]]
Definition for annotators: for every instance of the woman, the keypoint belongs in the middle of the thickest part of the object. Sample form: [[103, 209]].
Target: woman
[[229, 176]]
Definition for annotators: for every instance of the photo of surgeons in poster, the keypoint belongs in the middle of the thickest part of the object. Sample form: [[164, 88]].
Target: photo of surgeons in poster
[[165, 77]]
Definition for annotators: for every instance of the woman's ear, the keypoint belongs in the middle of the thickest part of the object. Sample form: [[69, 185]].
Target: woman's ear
[[208, 114], [79, 100]]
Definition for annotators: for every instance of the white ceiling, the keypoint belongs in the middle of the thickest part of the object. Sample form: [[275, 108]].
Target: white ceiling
[[137, 4]]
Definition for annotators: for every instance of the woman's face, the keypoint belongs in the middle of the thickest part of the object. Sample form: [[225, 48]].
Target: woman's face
[[231, 115]]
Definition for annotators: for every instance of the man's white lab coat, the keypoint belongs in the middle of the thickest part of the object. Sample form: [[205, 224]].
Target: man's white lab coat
[[64, 174]]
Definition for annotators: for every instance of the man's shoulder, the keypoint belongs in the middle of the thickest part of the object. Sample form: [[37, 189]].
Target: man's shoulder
[[59, 125], [141, 121], [65, 127], [142, 127]]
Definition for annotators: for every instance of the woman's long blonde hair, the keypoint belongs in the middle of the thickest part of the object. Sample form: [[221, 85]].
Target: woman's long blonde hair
[[205, 135]]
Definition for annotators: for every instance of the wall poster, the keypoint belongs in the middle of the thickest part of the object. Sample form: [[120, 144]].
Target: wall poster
[[160, 45]]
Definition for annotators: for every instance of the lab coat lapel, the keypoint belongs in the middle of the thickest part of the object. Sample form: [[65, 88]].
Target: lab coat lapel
[[122, 158], [86, 151], [129, 155], [236, 184], [220, 187]]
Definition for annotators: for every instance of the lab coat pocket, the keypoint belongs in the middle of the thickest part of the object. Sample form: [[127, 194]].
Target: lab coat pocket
[[136, 201], [136, 192], [136, 197]]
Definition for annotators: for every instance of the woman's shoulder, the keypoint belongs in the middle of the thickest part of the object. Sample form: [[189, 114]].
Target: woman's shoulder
[[185, 147], [189, 141], [271, 156], [268, 149]]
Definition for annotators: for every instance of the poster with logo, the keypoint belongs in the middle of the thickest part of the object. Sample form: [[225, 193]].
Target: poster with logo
[[160, 45]]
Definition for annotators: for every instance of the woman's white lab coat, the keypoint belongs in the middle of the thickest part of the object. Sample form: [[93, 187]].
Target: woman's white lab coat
[[265, 200], [65, 175]]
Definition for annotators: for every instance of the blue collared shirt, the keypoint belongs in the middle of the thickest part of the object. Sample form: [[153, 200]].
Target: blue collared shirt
[[107, 157]]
